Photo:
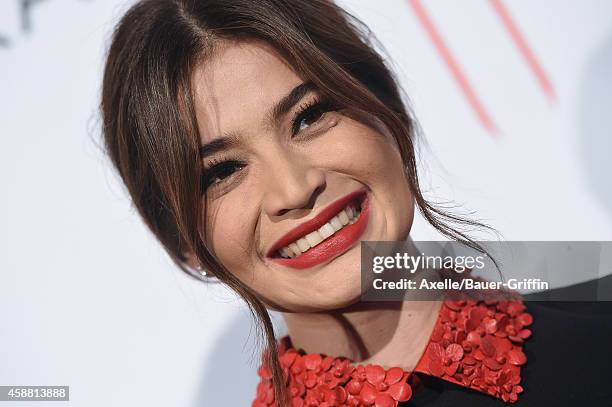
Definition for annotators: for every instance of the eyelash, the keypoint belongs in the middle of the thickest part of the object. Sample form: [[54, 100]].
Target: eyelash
[[321, 106], [216, 167]]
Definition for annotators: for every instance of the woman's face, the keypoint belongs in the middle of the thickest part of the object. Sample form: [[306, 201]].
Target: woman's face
[[288, 174]]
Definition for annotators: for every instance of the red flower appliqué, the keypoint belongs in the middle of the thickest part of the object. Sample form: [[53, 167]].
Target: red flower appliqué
[[477, 344]]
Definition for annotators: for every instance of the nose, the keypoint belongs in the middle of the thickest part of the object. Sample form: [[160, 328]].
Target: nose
[[292, 182]]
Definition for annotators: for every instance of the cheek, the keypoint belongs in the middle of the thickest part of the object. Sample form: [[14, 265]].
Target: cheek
[[374, 159], [359, 150], [231, 240]]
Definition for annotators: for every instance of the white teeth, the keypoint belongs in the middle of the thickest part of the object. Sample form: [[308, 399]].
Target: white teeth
[[336, 224], [347, 216], [314, 238], [287, 252], [303, 245], [344, 219], [326, 231], [295, 249]]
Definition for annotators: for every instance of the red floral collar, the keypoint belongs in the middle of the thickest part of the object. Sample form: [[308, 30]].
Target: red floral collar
[[476, 344]]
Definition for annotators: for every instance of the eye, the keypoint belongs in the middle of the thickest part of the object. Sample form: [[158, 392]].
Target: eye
[[219, 171], [309, 114]]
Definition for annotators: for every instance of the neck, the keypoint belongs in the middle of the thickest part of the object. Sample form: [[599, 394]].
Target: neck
[[385, 333], [388, 334]]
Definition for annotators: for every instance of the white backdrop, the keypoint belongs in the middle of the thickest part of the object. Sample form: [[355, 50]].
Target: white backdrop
[[87, 297]]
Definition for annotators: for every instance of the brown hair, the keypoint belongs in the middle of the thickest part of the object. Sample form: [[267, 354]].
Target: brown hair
[[149, 125]]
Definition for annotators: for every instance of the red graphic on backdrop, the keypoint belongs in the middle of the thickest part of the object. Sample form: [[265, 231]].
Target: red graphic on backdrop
[[460, 77], [453, 66], [524, 49]]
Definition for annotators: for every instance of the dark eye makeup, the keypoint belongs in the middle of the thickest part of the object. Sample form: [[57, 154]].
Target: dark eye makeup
[[310, 113], [218, 170]]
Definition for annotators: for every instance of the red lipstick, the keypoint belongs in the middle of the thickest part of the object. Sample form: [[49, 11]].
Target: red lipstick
[[333, 245]]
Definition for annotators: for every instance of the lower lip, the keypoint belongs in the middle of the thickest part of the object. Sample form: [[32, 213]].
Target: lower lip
[[331, 247]]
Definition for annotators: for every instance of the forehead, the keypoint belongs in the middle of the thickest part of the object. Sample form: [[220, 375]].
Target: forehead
[[234, 88]]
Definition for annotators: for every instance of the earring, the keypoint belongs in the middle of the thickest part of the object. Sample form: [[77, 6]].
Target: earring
[[201, 271]]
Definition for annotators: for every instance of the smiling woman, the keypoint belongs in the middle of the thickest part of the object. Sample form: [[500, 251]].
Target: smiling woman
[[304, 163], [263, 140]]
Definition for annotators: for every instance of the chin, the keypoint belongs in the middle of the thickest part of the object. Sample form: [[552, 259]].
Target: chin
[[333, 286], [329, 303], [332, 294], [336, 294]]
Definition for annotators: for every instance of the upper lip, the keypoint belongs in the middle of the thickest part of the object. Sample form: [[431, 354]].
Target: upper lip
[[315, 223]]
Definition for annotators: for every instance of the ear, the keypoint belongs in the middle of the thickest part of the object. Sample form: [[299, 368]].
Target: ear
[[191, 260]]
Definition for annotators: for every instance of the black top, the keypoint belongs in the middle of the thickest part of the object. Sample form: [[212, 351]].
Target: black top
[[569, 359]]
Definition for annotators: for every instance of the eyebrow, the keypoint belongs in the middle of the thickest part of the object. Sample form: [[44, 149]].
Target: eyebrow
[[280, 109]]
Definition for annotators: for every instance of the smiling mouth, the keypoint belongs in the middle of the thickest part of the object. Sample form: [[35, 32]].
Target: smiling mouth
[[345, 217]]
